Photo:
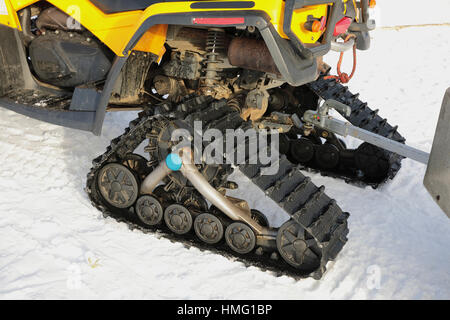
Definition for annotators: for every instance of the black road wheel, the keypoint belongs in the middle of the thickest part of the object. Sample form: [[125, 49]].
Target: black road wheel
[[178, 219], [298, 247], [240, 238], [149, 210], [118, 185], [208, 228], [327, 156], [302, 150], [372, 160]]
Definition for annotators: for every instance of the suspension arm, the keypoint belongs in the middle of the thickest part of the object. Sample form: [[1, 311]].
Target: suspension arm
[[183, 162]]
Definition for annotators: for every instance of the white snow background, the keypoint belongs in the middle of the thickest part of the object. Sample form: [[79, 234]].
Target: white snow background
[[55, 245]]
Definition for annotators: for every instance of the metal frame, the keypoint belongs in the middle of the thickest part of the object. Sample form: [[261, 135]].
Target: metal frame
[[323, 49], [322, 120]]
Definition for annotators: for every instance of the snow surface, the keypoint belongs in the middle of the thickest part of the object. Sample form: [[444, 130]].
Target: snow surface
[[53, 244]]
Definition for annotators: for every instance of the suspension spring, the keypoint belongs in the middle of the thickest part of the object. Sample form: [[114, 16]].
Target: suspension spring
[[236, 103], [215, 43]]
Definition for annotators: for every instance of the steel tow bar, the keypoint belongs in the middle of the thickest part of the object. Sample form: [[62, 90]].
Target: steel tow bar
[[323, 120]]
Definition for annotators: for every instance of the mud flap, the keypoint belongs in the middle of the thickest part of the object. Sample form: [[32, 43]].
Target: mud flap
[[437, 178], [21, 93]]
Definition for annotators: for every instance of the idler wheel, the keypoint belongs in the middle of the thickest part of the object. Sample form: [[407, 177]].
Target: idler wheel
[[298, 247]]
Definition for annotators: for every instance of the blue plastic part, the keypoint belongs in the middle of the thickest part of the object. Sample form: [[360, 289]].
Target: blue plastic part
[[174, 162]]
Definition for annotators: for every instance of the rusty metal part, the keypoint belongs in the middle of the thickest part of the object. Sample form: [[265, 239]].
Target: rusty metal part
[[184, 65], [211, 80], [165, 85], [307, 129], [131, 83], [214, 45], [251, 54], [280, 122], [256, 105], [191, 39], [217, 91], [236, 103], [174, 88]]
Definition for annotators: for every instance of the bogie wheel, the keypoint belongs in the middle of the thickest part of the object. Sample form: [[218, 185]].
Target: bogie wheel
[[302, 150], [298, 247], [240, 238], [372, 160], [208, 228], [118, 185], [327, 156], [178, 219], [149, 210]]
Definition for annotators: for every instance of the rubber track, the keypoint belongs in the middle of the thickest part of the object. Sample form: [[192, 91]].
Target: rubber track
[[361, 116], [295, 193], [307, 204]]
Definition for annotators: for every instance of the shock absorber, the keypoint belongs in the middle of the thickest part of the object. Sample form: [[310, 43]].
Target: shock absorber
[[215, 43]]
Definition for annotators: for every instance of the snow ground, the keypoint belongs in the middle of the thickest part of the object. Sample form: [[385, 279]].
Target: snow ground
[[53, 244]]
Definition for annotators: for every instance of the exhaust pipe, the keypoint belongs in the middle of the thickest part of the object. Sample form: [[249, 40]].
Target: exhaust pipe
[[260, 58]]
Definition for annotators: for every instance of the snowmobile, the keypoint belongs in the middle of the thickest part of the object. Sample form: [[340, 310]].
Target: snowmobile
[[228, 65]]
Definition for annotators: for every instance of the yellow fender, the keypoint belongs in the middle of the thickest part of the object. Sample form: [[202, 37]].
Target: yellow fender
[[116, 30]]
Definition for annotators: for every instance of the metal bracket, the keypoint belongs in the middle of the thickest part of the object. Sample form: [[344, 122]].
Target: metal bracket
[[323, 120]]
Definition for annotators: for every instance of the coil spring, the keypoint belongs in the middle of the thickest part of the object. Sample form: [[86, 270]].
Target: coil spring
[[235, 103], [214, 44]]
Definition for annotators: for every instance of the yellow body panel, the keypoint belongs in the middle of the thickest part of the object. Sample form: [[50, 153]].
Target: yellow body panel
[[9, 19], [116, 30], [153, 40], [300, 17]]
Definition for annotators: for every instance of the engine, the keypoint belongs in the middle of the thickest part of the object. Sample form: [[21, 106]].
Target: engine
[[65, 55]]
